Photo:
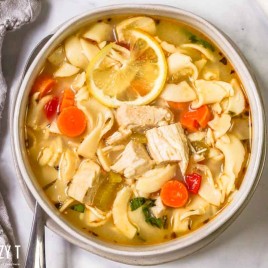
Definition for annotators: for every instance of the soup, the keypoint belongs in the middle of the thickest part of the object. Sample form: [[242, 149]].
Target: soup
[[138, 129]]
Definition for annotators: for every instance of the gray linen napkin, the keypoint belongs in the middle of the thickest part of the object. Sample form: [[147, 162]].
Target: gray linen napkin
[[13, 14]]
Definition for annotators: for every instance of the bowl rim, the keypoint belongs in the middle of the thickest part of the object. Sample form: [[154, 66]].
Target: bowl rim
[[246, 190]]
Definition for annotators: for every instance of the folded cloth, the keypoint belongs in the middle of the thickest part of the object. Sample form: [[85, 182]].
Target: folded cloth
[[6, 236], [13, 14]]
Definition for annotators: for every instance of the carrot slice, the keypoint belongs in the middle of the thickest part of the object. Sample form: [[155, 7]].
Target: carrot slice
[[67, 99], [195, 118], [174, 194], [72, 122], [189, 123], [204, 116], [43, 84], [178, 105]]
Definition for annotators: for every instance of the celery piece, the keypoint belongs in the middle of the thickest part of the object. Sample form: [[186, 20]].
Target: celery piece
[[138, 138], [92, 192], [200, 146], [106, 195], [114, 177]]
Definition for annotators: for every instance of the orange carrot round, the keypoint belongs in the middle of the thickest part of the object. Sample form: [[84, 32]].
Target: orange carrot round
[[174, 194], [72, 122]]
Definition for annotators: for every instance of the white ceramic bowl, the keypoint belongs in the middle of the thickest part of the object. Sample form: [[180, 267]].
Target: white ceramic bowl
[[140, 255]]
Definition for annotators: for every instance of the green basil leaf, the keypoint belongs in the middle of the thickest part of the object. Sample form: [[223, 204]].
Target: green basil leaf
[[146, 204], [151, 219], [137, 202], [150, 203], [196, 40]]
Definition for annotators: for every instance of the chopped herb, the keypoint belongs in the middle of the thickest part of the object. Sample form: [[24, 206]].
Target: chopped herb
[[223, 61], [58, 205], [197, 40], [150, 202], [150, 218], [140, 237], [57, 168], [173, 235], [137, 202], [190, 225], [146, 204], [95, 234], [49, 185], [78, 208]]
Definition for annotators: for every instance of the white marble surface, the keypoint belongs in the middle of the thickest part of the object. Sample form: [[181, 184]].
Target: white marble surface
[[245, 243]]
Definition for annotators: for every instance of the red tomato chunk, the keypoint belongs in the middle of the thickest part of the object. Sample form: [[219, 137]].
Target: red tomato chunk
[[51, 108], [193, 182]]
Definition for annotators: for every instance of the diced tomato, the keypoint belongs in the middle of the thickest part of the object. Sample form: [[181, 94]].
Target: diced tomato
[[51, 108], [193, 182]]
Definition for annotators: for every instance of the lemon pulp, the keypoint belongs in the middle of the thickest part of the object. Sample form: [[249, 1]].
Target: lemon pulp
[[134, 73]]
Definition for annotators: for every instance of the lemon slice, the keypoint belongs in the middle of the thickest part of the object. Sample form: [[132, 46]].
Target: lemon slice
[[145, 24], [133, 75]]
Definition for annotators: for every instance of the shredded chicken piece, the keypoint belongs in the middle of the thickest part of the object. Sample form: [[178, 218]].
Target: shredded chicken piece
[[159, 208], [169, 144], [87, 173], [141, 118], [133, 161]]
